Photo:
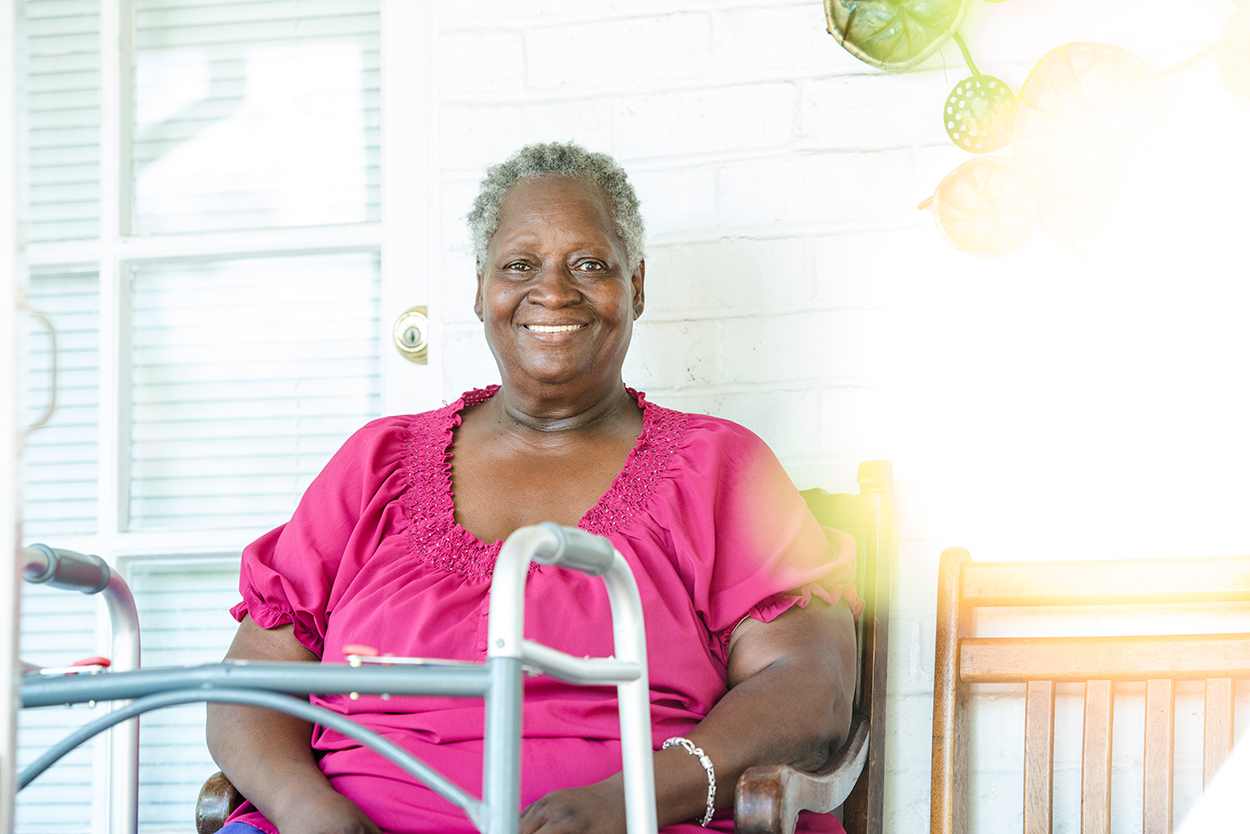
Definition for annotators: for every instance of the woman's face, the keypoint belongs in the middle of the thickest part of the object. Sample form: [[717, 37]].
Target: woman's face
[[554, 295]]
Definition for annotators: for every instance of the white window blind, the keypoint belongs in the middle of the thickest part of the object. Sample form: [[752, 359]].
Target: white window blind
[[184, 613], [246, 376], [59, 136], [255, 114], [58, 628], [61, 462]]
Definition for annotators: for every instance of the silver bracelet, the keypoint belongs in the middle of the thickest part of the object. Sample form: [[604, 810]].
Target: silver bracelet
[[688, 745]]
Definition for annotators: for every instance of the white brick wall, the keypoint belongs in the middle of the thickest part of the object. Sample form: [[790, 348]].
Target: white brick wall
[[1033, 406]]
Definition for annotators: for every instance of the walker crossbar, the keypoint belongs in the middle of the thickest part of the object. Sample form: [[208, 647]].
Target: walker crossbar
[[269, 700], [292, 678], [498, 681]]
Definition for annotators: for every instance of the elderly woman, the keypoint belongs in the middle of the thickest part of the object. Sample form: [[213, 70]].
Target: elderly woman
[[748, 602]]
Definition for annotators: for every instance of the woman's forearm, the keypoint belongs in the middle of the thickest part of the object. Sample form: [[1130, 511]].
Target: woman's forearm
[[268, 755], [792, 684]]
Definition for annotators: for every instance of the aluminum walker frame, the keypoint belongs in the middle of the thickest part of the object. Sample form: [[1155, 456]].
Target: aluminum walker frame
[[271, 685]]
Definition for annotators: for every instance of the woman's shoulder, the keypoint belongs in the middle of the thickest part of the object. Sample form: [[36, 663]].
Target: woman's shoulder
[[695, 430]]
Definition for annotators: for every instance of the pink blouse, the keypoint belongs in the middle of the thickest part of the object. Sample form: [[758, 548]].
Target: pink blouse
[[702, 511]]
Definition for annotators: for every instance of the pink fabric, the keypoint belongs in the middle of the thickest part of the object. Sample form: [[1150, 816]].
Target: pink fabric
[[703, 512]]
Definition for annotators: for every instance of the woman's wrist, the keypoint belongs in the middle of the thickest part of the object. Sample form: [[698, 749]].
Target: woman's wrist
[[681, 787], [683, 743]]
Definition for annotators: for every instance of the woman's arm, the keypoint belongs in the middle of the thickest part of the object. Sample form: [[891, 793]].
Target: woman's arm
[[268, 756], [791, 687]]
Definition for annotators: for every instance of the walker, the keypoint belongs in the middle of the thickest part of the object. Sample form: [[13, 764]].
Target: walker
[[498, 680]]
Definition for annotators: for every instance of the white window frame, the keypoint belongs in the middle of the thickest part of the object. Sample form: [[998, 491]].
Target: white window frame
[[403, 239]]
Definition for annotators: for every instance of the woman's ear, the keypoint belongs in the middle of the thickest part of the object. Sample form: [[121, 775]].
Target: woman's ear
[[637, 281], [477, 302]]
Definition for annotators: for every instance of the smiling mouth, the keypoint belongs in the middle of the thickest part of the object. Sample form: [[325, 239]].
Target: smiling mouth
[[553, 328]]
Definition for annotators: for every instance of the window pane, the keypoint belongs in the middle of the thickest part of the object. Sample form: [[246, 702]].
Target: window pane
[[246, 376], [185, 613], [255, 115], [60, 132], [61, 460]]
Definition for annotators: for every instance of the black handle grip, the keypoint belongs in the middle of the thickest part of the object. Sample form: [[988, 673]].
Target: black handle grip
[[579, 550], [69, 570]]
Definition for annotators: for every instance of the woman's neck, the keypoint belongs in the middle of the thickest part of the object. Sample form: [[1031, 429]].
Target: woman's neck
[[512, 409]]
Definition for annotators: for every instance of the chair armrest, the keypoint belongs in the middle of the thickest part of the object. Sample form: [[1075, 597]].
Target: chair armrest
[[217, 801], [769, 797]]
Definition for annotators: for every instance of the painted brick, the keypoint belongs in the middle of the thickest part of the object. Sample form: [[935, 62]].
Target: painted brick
[[814, 188], [476, 136], [633, 53], [878, 422], [866, 347], [524, 15], [775, 40], [675, 356], [455, 198], [704, 121], [677, 198], [886, 269], [477, 63], [874, 111], [733, 275]]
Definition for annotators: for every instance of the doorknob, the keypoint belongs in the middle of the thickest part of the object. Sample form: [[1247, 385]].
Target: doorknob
[[412, 334]]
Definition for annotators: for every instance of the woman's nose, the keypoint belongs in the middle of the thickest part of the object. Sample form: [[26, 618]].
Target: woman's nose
[[555, 287]]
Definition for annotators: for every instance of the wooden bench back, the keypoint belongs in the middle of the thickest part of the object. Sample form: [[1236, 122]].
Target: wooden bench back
[[962, 659]]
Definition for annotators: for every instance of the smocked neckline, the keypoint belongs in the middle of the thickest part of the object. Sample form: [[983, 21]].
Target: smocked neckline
[[438, 539]]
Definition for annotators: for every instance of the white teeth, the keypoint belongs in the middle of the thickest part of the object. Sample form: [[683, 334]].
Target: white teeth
[[552, 328]]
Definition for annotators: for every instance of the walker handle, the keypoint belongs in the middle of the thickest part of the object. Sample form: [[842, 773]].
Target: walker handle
[[65, 569], [579, 550]]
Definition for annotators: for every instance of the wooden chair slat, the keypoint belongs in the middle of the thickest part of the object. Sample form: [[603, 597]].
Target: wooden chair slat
[[1185, 657], [1096, 759], [1218, 579], [1160, 737], [1217, 735], [1039, 750]]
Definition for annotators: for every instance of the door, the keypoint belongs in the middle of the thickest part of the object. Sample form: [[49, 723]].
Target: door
[[224, 210]]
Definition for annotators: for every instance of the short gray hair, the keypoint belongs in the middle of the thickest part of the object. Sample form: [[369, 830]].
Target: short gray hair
[[566, 159]]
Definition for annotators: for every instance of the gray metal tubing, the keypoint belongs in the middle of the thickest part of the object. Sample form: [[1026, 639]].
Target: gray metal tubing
[[124, 740], [269, 700], [64, 569], [584, 671], [501, 761], [633, 699], [90, 574], [295, 678]]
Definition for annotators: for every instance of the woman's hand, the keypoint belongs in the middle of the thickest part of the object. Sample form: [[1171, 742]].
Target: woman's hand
[[594, 809]]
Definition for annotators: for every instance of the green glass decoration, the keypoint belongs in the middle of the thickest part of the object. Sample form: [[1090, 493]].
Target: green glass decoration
[[895, 35], [978, 114]]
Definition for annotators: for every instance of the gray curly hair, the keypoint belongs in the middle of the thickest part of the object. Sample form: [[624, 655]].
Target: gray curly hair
[[564, 159]]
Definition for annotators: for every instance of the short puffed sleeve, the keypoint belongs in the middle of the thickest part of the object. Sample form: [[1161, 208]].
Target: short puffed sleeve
[[290, 574], [747, 540]]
